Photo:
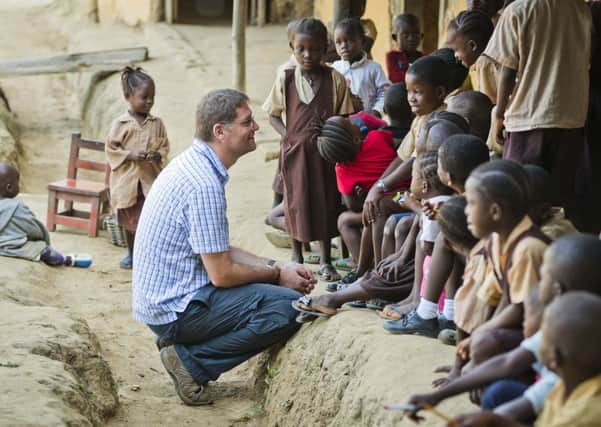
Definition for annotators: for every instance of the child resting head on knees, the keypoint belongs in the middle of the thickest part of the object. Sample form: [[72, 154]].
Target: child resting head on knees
[[136, 150], [407, 36], [458, 156], [427, 87], [475, 107], [440, 126], [552, 221], [497, 193], [398, 111], [381, 283], [308, 95], [570, 266], [570, 325], [22, 235], [457, 72], [365, 78]]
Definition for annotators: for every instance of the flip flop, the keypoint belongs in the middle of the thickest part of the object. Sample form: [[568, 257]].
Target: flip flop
[[313, 258], [346, 264], [303, 305]]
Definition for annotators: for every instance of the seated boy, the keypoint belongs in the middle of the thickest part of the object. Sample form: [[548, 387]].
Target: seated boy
[[560, 274], [571, 326], [22, 235]]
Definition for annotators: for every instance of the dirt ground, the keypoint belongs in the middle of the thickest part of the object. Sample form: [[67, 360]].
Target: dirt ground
[[186, 62]]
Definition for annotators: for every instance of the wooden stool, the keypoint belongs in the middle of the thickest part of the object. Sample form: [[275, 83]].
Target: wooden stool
[[78, 190]]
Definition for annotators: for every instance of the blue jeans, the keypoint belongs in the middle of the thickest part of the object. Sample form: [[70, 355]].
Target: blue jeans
[[223, 327], [501, 392]]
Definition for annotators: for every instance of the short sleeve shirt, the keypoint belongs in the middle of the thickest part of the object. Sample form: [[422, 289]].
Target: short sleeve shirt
[[183, 217], [548, 43]]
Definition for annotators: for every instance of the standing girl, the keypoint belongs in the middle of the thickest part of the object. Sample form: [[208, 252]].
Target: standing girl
[[308, 95], [136, 149]]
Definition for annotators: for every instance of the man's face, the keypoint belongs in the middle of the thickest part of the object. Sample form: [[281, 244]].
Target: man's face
[[240, 134]]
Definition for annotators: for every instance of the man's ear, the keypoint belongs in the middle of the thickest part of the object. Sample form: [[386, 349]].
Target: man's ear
[[218, 130]]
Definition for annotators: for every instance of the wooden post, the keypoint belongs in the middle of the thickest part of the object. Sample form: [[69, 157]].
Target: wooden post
[[239, 45], [168, 5], [342, 10], [252, 13], [261, 12]]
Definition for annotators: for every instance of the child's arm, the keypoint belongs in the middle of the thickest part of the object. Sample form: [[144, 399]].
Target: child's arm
[[278, 124], [519, 409], [116, 153], [504, 91], [498, 367], [353, 202], [382, 84], [159, 150]]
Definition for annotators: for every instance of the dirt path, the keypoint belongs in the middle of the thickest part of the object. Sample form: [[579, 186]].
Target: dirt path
[[186, 63]]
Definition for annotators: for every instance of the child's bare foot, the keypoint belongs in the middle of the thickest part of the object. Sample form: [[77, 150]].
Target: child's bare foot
[[328, 273], [319, 305]]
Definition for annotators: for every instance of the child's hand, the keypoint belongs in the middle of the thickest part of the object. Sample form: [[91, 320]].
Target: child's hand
[[357, 103], [411, 203], [360, 191], [153, 156], [136, 156], [463, 348], [430, 210]]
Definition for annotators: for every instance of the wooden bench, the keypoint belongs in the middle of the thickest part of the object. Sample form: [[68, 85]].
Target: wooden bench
[[73, 189]]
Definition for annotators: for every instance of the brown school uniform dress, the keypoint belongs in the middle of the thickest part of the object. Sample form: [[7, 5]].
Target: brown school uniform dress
[[131, 180], [311, 197], [545, 119]]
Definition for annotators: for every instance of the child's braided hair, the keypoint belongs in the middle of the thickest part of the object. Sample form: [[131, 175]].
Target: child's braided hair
[[132, 78], [474, 24], [428, 170], [335, 142], [453, 222]]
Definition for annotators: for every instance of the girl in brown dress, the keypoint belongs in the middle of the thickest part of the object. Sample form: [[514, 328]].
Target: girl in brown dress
[[308, 94]]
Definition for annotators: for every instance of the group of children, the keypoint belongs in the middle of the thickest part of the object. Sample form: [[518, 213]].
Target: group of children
[[445, 238]]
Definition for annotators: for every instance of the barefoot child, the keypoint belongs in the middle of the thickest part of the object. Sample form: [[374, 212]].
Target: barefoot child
[[407, 36], [22, 235], [364, 77], [136, 151], [308, 95]]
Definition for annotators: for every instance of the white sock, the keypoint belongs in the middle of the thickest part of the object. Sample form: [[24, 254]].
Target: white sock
[[427, 309], [449, 309]]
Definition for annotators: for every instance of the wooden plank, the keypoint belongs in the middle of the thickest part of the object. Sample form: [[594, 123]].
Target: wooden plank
[[239, 44], [72, 63], [261, 13]]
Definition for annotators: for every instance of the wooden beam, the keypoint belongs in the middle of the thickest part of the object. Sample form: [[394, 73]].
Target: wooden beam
[[239, 45], [342, 9], [73, 62], [168, 5], [261, 12]]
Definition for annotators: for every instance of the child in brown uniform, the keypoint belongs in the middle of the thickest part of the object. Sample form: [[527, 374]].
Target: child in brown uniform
[[136, 149], [308, 95]]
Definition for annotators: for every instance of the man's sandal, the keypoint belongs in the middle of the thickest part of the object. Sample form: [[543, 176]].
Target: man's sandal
[[305, 305]]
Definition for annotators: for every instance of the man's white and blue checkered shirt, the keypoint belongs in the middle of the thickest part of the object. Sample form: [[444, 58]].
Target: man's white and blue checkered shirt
[[184, 216]]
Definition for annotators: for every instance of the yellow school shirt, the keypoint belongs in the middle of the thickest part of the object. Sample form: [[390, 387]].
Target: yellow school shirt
[[581, 409], [407, 148], [483, 75]]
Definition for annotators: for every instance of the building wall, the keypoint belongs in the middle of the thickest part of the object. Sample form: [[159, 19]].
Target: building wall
[[132, 12]]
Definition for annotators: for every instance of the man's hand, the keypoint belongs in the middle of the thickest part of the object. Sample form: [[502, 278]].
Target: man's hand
[[390, 267], [296, 276], [136, 156], [499, 127]]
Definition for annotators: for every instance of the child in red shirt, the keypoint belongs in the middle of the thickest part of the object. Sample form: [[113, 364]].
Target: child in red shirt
[[407, 36]]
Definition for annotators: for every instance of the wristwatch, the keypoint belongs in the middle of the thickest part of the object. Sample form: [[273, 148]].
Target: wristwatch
[[271, 264], [382, 185]]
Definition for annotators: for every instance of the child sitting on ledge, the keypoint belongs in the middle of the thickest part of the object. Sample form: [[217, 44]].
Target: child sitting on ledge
[[22, 235]]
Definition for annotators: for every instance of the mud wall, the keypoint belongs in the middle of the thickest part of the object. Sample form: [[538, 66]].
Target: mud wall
[[9, 145]]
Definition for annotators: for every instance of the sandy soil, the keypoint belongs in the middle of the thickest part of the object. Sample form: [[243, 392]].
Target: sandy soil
[[186, 62]]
